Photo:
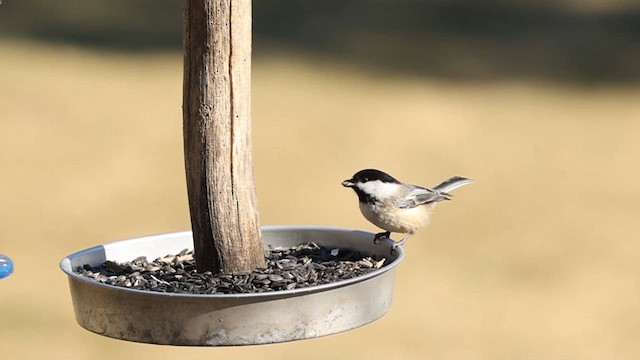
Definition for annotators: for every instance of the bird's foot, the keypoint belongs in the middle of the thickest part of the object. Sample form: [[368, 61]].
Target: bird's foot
[[395, 246], [400, 243], [376, 239]]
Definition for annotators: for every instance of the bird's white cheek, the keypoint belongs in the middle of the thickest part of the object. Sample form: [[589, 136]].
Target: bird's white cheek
[[379, 189]]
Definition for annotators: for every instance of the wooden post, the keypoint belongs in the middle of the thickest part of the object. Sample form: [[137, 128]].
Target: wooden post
[[217, 135]]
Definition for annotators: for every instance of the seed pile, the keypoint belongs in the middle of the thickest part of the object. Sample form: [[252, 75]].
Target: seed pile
[[287, 268]]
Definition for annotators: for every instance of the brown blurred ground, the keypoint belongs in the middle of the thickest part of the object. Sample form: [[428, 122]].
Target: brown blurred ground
[[537, 260]]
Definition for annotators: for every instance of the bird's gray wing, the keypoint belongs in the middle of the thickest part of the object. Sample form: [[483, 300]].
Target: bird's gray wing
[[418, 195]]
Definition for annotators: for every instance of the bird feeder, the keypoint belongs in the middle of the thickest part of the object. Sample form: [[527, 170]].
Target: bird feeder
[[226, 234]]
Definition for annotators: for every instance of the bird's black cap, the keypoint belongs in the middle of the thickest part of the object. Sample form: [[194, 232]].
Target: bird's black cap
[[364, 176], [370, 175]]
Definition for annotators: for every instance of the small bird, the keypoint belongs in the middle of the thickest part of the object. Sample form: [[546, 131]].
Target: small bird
[[395, 206]]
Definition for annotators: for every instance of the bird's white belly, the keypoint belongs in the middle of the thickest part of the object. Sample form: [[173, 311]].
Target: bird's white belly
[[394, 219]]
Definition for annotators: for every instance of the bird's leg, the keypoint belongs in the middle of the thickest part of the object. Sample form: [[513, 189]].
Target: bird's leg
[[401, 242], [376, 239]]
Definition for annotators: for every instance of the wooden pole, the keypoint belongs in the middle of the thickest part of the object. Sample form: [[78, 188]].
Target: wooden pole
[[217, 135]]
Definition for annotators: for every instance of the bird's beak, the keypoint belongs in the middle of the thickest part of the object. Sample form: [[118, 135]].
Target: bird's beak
[[348, 183]]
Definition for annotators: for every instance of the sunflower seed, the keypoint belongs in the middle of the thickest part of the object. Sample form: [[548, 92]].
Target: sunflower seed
[[287, 268]]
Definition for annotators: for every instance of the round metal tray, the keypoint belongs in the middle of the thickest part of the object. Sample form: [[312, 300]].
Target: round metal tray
[[231, 319]]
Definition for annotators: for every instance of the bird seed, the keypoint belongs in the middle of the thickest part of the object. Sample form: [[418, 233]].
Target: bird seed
[[287, 268]]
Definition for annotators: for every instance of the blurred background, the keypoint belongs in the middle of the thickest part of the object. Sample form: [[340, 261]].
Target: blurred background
[[538, 101]]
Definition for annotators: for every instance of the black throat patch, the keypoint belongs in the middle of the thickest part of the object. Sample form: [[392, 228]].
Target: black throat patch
[[364, 197]]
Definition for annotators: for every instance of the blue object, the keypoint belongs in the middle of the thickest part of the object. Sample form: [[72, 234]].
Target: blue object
[[6, 266]]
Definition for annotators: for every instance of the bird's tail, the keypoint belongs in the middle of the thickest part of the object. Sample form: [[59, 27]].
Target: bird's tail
[[452, 184]]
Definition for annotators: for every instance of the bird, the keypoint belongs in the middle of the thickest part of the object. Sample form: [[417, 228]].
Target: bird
[[395, 206]]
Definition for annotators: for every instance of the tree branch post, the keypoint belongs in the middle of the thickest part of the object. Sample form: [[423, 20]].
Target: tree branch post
[[217, 135]]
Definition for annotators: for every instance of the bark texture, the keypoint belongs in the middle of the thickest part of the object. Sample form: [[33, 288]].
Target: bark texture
[[217, 135]]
